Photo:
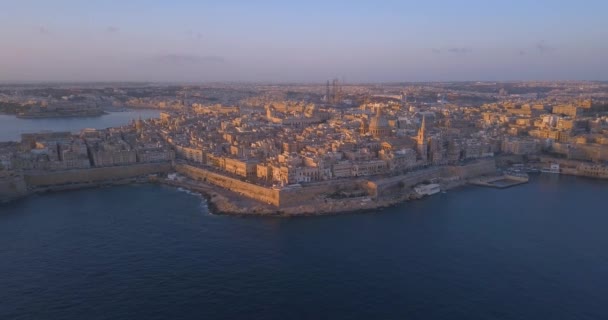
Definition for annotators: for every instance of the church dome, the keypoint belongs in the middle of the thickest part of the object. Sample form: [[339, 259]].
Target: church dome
[[378, 125], [378, 122]]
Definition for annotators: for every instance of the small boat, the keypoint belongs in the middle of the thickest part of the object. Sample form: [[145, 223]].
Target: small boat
[[554, 168], [427, 189]]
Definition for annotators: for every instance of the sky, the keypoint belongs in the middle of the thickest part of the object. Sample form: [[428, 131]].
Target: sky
[[302, 41]]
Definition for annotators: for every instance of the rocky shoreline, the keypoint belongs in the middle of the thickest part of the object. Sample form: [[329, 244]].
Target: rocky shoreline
[[223, 202]]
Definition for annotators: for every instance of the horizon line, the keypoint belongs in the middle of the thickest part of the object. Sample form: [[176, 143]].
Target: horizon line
[[324, 82]]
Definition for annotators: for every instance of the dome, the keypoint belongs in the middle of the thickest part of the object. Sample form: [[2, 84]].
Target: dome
[[378, 125], [378, 121]]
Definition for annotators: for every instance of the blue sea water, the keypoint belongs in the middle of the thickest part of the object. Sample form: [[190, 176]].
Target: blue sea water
[[536, 251], [12, 127]]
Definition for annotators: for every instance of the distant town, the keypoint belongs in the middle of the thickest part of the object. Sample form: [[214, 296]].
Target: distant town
[[308, 148]]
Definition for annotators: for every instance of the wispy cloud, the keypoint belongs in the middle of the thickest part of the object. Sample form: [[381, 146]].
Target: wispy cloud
[[452, 50], [194, 34], [459, 50], [543, 48], [43, 30], [112, 29], [189, 59]]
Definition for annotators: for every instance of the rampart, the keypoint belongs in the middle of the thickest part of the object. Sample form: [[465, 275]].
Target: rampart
[[390, 185], [11, 187], [308, 193], [250, 190], [92, 175], [297, 195], [473, 169]]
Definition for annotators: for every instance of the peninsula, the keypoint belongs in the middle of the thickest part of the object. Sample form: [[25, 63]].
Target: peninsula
[[321, 149]]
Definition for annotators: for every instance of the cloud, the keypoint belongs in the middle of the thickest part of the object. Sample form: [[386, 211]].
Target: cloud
[[42, 30], [195, 34], [459, 50], [453, 50], [112, 29], [189, 59], [543, 48]]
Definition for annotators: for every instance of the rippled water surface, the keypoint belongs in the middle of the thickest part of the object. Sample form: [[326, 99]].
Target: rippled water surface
[[12, 127], [537, 251]]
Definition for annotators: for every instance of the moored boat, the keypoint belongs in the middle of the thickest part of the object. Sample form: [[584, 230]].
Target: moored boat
[[427, 189]]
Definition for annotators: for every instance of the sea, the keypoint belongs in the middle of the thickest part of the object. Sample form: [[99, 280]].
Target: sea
[[535, 251], [12, 127]]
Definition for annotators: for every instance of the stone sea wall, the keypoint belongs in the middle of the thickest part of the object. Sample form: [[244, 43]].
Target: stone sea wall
[[309, 193], [312, 195], [393, 185], [317, 192], [473, 169], [290, 196], [43, 179], [12, 187], [250, 190]]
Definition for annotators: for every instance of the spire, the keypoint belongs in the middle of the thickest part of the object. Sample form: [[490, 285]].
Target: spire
[[423, 125], [422, 131], [422, 141]]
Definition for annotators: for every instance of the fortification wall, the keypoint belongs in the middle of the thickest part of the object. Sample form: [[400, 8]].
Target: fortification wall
[[314, 192], [12, 187], [250, 190], [470, 170], [53, 178], [392, 184], [309, 193], [395, 184]]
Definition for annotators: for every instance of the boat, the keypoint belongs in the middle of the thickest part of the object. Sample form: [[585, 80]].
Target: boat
[[554, 168], [427, 189]]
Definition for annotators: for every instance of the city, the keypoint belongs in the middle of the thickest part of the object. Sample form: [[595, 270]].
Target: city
[[299, 160], [344, 146]]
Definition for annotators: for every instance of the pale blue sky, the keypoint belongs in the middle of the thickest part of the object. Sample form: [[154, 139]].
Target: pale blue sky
[[310, 41]]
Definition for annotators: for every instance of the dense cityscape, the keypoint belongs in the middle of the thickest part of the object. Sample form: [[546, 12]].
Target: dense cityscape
[[276, 148], [356, 160]]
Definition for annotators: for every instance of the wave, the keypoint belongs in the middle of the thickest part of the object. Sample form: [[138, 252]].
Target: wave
[[189, 192], [203, 205]]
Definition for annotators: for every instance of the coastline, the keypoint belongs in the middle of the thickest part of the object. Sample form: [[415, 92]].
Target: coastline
[[220, 203], [225, 202], [57, 115]]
